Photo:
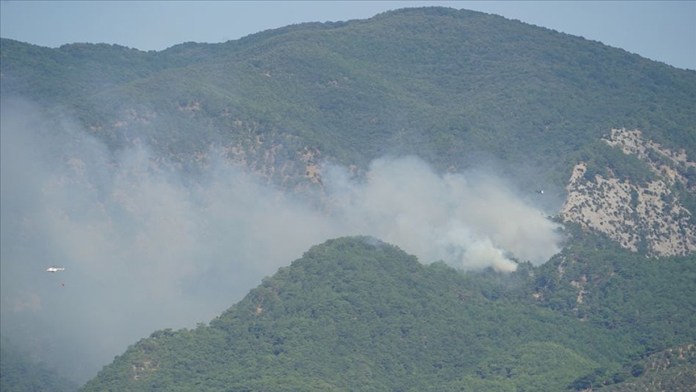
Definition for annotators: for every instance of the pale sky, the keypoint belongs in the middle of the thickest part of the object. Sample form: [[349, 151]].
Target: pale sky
[[659, 30]]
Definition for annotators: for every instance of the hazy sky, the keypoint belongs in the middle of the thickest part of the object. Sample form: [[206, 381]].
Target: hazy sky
[[660, 30]]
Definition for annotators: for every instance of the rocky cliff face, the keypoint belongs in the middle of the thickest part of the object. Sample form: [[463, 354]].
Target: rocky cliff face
[[641, 217]]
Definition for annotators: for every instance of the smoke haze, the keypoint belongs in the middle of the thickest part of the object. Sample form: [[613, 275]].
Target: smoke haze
[[146, 247], [470, 220]]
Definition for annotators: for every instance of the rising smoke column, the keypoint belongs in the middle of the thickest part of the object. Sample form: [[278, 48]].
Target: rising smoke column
[[146, 247], [469, 220]]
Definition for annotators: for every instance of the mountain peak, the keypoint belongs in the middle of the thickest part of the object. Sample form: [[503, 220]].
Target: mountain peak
[[358, 253], [331, 271], [355, 312]]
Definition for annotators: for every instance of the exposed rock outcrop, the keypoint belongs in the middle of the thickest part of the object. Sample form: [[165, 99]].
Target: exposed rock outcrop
[[641, 217]]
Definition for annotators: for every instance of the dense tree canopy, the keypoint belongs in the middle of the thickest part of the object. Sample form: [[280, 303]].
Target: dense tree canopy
[[444, 84], [359, 314]]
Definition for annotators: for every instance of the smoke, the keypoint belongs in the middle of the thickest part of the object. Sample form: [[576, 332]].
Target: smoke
[[470, 220], [146, 247]]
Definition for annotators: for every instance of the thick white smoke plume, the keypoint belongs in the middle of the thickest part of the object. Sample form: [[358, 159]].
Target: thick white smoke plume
[[469, 220], [146, 247]]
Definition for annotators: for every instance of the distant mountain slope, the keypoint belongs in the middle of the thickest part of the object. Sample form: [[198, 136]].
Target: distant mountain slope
[[18, 373], [669, 370], [437, 82], [359, 314], [606, 138]]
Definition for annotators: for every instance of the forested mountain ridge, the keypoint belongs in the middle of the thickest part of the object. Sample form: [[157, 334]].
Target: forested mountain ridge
[[359, 314], [453, 87], [601, 137], [432, 81]]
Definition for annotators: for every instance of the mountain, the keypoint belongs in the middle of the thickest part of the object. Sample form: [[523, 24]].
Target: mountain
[[456, 88], [19, 373], [670, 370], [359, 314], [121, 167], [437, 82]]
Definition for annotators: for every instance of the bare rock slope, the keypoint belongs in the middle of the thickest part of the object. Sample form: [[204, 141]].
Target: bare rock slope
[[646, 217]]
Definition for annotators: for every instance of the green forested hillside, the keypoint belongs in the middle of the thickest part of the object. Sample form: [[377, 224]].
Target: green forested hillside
[[359, 314], [459, 89], [444, 84]]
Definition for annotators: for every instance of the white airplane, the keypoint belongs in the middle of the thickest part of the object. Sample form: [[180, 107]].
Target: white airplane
[[55, 269]]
